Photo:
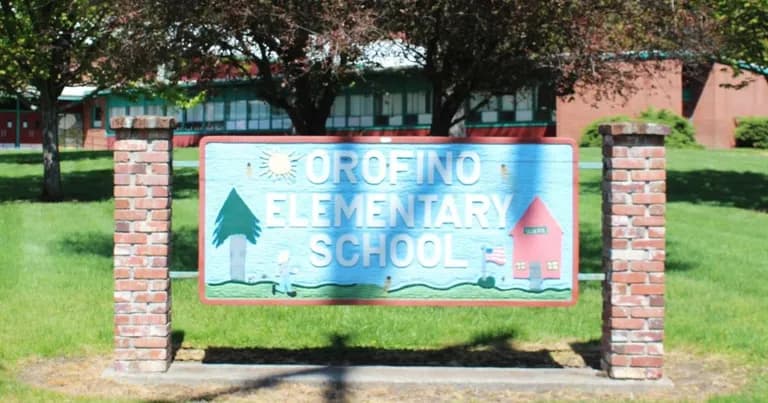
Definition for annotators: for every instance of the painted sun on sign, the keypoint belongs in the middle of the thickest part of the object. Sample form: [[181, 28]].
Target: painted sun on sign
[[279, 166]]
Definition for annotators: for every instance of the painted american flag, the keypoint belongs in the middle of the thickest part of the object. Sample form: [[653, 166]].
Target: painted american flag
[[495, 255]]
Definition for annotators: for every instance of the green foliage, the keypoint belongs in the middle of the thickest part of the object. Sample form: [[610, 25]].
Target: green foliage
[[682, 133], [591, 137], [235, 218], [743, 25], [752, 132]]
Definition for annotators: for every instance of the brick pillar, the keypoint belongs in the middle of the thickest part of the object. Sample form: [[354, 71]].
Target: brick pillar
[[143, 171], [634, 197]]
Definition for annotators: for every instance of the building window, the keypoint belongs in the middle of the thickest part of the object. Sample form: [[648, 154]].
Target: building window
[[238, 115], [260, 115], [24, 124], [177, 113], [10, 124], [97, 120], [360, 110], [116, 111], [214, 116], [155, 110], [416, 102], [389, 109], [417, 108], [135, 110], [338, 116], [524, 105], [483, 108], [280, 119], [520, 266]]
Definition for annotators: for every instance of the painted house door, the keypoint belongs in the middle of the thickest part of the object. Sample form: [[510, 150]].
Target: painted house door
[[535, 275]]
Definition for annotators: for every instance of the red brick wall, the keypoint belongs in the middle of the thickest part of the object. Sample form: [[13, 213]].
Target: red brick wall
[[142, 189], [719, 104], [634, 250], [662, 90]]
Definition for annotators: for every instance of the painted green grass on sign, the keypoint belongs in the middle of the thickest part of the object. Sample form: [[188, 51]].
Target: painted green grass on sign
[[469, 292]]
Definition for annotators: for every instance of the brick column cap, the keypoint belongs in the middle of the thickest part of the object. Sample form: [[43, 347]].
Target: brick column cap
[[142, 122], [633, 128]]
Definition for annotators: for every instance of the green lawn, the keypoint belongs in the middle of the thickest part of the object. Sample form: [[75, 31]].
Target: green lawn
[[56, 280]]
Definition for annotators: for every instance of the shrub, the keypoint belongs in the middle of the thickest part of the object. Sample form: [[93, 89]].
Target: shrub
[[591, 137], [752, 132], [682, 134]]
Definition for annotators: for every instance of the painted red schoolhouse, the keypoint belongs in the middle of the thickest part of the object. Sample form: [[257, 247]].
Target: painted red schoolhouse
[[537, 244]]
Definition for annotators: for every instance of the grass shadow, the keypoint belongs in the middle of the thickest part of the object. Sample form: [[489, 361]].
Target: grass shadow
[[484, 350], [590, 249], [36, 157], [86, 243], [86, 186], [746, 190], [184, 249], [183, 253]]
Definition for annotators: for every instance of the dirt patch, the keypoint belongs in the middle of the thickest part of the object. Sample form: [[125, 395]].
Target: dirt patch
[[695, 378]]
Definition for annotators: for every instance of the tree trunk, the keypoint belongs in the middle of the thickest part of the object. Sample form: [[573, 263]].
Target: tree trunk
[[237, 248], [308, 123], [52, 190]]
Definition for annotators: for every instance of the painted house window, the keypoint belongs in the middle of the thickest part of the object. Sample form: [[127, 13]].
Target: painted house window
[[97, 118], [553, 265], [238, 115], [360, 110], [338, 116], [520, 266]]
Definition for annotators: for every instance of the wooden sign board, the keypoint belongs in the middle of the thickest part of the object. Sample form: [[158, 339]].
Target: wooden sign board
[[376, 220]]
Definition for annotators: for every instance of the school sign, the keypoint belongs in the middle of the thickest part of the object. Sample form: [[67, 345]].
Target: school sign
[[400, 221]]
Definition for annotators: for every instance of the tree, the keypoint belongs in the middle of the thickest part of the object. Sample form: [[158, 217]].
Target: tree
[[297, 54], [469, 47], [48, 45], [744, 25], [237, 223]]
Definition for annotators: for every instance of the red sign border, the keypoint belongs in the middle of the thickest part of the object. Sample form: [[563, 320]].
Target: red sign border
[[383, 140]]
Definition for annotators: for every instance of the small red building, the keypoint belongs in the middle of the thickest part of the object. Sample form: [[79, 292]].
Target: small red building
[[537, 244]]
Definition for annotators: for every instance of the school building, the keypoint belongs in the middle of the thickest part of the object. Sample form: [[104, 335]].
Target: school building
[[389, 103]]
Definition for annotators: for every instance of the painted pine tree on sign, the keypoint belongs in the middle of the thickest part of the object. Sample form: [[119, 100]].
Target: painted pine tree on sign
[[237, 223]]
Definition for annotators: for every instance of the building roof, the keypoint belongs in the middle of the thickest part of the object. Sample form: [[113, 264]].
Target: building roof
[[76, 93]]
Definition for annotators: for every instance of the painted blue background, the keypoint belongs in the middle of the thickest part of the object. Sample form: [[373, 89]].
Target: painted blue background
[[543, 170]]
